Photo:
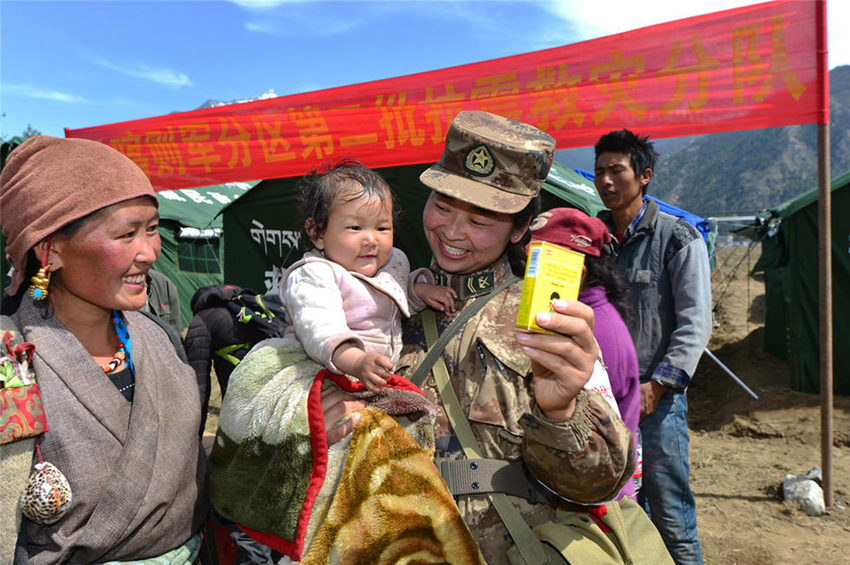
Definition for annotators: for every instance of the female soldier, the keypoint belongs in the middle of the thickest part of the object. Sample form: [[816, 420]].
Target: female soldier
[[520, 392]]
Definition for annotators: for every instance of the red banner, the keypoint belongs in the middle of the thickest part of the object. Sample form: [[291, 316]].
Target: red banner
[[746, 68]]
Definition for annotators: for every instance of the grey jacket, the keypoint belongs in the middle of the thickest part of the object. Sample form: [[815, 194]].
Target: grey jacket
[[666, 262], [163, 300]]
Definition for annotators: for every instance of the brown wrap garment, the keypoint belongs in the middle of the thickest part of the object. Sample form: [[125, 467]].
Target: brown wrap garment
[[137, 472]]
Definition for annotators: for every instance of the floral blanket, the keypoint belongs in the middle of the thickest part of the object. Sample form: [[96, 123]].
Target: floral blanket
[[375, 497]]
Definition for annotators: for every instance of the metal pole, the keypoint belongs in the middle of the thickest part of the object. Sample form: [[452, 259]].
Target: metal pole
[[731, 374], [824, 256]]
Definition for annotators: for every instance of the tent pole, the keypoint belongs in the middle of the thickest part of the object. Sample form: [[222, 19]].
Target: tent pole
[[824, 253]]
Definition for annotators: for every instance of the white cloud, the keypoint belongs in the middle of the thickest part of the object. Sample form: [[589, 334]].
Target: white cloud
[[303, 26], [260, 28], [605, 17], [260, 4], [163, 76], [838, 32], [41, 93]]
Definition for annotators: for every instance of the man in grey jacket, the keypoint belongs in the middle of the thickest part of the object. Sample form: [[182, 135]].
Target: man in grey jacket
[[666, 261]]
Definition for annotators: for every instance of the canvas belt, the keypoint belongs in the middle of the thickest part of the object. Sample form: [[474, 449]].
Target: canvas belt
[[531, 550], [481, 476]]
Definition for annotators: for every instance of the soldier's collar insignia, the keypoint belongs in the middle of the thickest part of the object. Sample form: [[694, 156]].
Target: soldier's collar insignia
[[467, 286], [479, 161]]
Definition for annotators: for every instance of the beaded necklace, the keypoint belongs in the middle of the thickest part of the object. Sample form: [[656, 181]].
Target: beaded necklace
[[116, 360], [121, 353]]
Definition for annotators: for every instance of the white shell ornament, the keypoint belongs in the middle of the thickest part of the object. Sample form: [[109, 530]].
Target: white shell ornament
[[47, 495]]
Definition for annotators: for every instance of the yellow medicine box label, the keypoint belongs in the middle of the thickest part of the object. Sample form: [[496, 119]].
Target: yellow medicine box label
[[551, 272]]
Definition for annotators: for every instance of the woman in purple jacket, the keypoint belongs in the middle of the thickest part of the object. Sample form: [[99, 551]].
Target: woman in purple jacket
[[605, 290]]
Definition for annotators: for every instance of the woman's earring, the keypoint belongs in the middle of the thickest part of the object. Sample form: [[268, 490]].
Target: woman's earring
[[41, 280]]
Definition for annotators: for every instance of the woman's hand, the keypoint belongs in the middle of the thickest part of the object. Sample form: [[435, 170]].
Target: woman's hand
[[336, 405], [561, 364]]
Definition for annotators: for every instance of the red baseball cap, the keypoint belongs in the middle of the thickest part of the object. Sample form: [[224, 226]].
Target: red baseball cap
[[571, 228]]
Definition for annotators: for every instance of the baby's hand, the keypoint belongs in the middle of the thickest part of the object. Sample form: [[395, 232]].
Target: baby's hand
[[372, 370], [440, 298]]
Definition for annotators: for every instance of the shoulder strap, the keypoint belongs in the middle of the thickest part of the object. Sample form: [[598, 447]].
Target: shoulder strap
[[530, 548], [226, 352], [436, 349]]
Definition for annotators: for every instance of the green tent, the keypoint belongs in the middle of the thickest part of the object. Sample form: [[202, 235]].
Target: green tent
[[263, 235], [789, 261], [191, 232]]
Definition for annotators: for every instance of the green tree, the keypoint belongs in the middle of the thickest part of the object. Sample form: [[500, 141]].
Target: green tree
[[27, 133]]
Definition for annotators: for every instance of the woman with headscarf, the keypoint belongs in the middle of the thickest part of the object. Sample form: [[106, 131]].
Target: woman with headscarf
[[127, 475]]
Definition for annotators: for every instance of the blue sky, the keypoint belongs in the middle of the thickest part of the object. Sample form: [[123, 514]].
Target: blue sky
[[77, 64]]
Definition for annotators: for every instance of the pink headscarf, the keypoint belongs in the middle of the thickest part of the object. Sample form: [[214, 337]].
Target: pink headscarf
[[48, 182]]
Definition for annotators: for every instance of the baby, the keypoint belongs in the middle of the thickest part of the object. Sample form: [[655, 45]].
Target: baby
[[344, 299]]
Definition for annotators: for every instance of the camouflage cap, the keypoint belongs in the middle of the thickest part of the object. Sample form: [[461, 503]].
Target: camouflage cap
[[492, 162]]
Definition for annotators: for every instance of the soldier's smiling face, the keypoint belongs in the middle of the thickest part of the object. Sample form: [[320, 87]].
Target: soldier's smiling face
[[464, 238]]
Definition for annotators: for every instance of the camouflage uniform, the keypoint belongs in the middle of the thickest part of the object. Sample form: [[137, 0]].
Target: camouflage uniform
[[587, 458]]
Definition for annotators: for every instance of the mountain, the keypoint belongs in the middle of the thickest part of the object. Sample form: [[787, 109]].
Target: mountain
[[216, 103], [741, 172]]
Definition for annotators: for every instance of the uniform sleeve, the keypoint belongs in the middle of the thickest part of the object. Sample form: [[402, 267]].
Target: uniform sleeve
[[690, 281], [586, 459], [314, 303]]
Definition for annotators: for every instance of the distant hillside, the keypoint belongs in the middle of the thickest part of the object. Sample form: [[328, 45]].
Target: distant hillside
[[741, 172]]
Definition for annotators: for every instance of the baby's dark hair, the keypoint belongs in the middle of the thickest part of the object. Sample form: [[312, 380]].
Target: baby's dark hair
[[319, 188]]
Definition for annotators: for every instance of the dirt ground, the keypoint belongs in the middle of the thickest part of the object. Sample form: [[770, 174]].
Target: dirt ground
[[742, 448]]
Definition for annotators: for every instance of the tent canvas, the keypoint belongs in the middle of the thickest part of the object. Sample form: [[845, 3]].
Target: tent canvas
[[263, 234], [191, 231], [789, 260]]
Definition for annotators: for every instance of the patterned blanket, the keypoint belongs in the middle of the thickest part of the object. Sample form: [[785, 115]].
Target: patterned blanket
[[374, 497]]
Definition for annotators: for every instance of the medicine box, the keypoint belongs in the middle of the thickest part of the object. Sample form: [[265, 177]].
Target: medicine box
[[551, 272]]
